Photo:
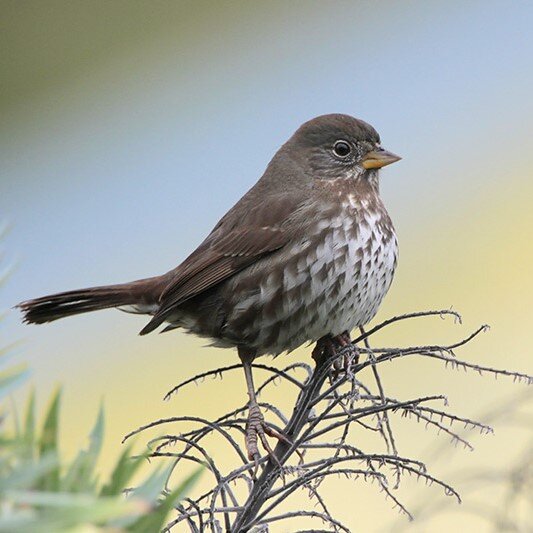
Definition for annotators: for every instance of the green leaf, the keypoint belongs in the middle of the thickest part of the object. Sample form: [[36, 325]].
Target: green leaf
[[80, 476], [57, 512], [26, 475], [49, 434], [152, 487], [188, 483], [122, 473], [19, 521], [48, 444], [10, 380], [29, 423], [27, 438], [155, 520]]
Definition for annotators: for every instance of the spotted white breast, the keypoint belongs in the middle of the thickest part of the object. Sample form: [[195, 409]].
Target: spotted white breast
[[332, 281]]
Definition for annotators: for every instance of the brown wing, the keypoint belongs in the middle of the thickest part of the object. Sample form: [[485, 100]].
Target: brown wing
[[239, 239]]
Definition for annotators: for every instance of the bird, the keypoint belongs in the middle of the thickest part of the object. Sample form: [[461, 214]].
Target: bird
[[306, 255]]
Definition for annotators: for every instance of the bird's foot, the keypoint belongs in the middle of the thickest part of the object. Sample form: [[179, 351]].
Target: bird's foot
[[256, 431], [348, 357], [341, 348]]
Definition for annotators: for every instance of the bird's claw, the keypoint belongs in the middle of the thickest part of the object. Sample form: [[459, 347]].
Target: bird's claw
[[348, 357], [344, 354], [256, 431]]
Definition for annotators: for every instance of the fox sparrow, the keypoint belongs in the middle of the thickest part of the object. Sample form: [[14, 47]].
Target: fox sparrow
[[307, 254]]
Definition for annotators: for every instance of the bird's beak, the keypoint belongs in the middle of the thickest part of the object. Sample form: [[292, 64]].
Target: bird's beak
[[379, 158]]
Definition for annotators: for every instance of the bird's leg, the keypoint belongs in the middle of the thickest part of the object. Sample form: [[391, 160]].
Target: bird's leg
[[340, 346], [319, 351], [256, 427], [350, 351]]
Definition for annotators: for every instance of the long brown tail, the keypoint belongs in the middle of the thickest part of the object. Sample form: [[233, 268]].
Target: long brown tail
[[48, 308]]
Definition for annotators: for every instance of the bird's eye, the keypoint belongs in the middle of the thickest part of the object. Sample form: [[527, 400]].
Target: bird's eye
[[342, 148]]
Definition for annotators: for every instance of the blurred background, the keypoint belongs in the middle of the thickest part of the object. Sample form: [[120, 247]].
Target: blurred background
[[129, 128]]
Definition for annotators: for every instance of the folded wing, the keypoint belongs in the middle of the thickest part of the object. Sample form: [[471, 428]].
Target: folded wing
[[234, 244]]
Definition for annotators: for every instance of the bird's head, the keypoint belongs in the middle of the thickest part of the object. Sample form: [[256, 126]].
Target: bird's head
[[339, 146]]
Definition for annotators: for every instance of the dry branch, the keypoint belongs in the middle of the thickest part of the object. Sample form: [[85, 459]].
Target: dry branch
[[329, 404]]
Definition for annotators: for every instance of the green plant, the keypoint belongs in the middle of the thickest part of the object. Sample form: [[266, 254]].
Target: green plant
[[40, 493]]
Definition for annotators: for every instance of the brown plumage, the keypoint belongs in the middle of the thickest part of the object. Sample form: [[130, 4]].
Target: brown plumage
[[69, 303], [308, 253]]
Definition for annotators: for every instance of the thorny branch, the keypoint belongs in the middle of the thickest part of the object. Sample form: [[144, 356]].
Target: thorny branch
[[511, 510], [329, 407]]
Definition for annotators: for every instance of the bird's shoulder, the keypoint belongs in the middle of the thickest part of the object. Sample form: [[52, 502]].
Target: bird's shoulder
[[259, 224]]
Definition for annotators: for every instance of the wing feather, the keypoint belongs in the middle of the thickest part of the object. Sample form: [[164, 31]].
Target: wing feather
[[227, 250]]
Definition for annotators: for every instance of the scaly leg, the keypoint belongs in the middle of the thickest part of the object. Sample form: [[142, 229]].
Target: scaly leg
[[256, 427], [341, 345], [350, 351]]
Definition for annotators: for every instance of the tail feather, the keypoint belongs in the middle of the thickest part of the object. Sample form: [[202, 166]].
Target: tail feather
[[63, 304]]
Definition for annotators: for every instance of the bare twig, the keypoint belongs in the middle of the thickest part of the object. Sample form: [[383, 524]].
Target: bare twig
[[318, 445]]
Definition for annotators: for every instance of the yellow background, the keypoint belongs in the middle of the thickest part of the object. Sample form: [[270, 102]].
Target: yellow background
[[129, 128]]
